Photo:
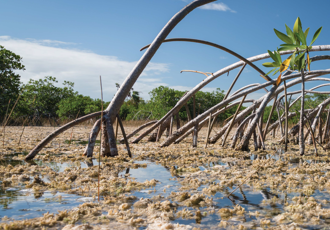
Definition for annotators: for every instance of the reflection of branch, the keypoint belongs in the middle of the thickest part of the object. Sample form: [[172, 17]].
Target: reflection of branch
[[248, 177]]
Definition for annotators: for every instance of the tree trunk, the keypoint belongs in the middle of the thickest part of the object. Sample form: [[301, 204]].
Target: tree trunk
[[92, 138], [239, 129], [188, 112], [105, 149], [111, 138], [57, 132]]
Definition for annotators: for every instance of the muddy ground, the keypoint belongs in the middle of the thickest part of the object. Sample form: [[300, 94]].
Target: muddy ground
[[177, 187]]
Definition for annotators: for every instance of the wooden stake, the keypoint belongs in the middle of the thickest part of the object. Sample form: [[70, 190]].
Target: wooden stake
[[326, 130], [124, 135], [158, 134], [195, 135], [101, 125], [208, 130], [320, 130], [301, 127], [188, 112], [286, 119], [3, 126], [194, 107], [171, 126]]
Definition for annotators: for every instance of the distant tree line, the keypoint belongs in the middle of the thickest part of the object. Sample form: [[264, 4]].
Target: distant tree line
[[43, 99]]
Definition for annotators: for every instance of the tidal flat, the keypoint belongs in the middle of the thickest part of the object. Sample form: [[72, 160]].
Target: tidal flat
[[175, 187]]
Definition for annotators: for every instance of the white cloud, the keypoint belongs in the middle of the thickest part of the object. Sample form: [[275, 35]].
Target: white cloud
[[217, 6], [83, 68]]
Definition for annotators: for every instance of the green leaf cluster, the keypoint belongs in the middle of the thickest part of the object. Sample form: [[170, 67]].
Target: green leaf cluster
[[295, 40], [9, 80]]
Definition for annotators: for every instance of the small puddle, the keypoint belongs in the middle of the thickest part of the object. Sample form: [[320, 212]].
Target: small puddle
[[19, 203], [167, 184]]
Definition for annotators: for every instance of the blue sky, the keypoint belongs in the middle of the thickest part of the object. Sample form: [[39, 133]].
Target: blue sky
[[80, 40]]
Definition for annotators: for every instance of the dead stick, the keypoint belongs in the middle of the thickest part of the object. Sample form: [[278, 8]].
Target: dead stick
[[22, 130], [12, 110], [228, 118], [98, 179], [3, 128]]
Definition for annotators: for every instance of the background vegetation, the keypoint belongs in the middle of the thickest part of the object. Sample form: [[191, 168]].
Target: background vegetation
[[40, 99]]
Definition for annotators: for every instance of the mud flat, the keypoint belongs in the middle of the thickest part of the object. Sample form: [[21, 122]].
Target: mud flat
[[176, 187]]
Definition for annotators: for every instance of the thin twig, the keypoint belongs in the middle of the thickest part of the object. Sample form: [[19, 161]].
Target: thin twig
[[12, 110], [98, 179], [3, 127], [22, 130], [286, 119]]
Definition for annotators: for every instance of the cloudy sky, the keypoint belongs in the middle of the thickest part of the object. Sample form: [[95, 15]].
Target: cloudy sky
[[80, 40]]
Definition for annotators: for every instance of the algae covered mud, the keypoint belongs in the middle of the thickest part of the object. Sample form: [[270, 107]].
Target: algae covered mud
[[177, 187]]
